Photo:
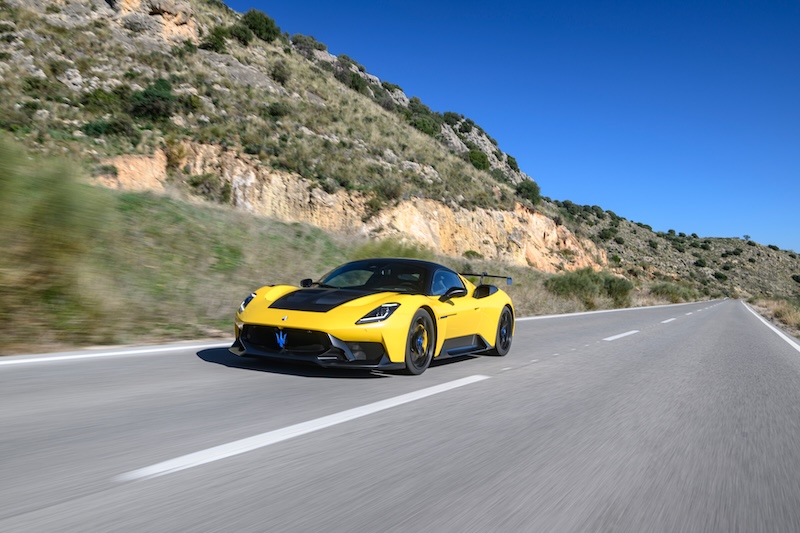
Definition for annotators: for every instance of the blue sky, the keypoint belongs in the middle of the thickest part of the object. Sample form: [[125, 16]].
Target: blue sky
[[681, 115]]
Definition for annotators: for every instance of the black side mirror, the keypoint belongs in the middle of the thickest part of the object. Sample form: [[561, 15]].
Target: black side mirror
[[453, 292], [306, 283]]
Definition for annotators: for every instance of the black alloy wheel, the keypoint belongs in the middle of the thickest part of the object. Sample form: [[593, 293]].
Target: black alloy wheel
[[421, 343], [505, 333]]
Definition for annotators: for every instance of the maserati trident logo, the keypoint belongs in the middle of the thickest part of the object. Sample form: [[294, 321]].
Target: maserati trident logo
[[281, 337]]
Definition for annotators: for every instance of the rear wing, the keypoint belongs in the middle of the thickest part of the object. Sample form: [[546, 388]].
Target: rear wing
[[485, 275]]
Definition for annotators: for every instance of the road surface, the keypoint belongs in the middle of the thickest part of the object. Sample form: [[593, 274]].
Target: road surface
[[674, 418]]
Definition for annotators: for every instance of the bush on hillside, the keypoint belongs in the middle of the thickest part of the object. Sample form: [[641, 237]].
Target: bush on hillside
[[512, 162], [586, 285], [306, 44], [156, 102], [215, 40], [529, 190], [280, 72], [478, 159], [261, 25], [673, 293], [241, 33], [121, 127]]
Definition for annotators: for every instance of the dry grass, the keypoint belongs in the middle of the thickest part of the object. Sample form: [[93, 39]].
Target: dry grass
[[785, 312]]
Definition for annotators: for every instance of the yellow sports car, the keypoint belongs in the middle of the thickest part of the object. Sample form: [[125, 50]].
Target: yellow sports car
[[377, 313]]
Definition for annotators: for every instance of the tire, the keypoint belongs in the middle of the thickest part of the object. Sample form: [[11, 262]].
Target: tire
[[420, 344], [505, 333]]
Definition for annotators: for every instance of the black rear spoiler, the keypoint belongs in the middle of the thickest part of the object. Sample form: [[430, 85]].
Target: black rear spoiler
[[485, 275]]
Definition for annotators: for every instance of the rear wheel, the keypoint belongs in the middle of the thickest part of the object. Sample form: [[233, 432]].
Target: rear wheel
[[505, 333], [420, 344]]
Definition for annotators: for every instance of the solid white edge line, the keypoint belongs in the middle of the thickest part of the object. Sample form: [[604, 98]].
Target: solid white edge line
[[615, 337], [272, 437], [26, 360], [667, 321], [781, 334], [583, 313]]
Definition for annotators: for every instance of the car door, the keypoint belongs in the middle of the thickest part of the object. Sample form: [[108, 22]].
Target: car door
[[457, 315]]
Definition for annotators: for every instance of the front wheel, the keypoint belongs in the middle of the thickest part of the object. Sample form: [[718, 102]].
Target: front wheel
[[421, 343], [505, 333]]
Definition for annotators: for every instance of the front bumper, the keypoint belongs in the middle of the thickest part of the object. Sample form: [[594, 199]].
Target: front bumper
[[308, 346]]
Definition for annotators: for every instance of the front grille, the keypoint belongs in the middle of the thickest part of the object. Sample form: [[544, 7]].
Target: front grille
[[296, 341]]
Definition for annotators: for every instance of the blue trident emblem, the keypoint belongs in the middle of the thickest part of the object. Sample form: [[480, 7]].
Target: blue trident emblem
[[281, 337]]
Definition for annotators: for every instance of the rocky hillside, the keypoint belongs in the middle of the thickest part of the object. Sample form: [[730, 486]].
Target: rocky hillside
[[191, 97]]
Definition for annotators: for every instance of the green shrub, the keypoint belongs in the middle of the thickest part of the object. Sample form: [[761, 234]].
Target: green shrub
[[451, 118], [674, 293], [606, 233], [241, 33], [391, 87], [307, 43], [529, 190], [720, 276], [619, 240], [478, 159], [472, 254], [262, 26], [701, 263], [796, 277], [121, 127], [357, 83], [773, 247], [277, 110], [280, 72], [212, 187], [425, 124], [587, 285], [102, 101], [156, 102], [215, 40], [512, 162]]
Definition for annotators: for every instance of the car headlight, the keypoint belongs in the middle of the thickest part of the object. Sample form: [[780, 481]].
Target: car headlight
[[379, 313], [247, 301]]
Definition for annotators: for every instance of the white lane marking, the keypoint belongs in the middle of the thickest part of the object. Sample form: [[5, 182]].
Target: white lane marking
[[781, 334], [279, 435], [667, 321], [615, 337], [687, 314], [506, 368], [534, 360], [141, 351], [582, 313]]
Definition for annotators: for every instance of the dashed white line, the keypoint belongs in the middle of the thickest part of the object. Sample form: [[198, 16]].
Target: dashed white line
[[615, 337], [279, 435], [687, 314], [667, 321], [506, 368]]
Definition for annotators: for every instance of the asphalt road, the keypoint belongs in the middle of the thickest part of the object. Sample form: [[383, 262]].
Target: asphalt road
[[677, 418]]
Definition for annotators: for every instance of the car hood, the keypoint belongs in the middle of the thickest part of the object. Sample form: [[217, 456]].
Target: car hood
[[320, 300]]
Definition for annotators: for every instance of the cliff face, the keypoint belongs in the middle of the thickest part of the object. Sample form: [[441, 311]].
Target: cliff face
[[521, 237]]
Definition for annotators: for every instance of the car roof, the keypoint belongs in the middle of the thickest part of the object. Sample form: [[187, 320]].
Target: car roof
[[427, 265]]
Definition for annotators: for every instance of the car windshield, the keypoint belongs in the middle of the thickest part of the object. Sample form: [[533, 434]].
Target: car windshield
[[378, 276]]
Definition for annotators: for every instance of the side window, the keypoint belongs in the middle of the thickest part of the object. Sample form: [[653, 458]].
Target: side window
[[443, 280]]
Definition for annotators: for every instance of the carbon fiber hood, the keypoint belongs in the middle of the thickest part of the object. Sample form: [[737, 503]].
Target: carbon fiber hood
[[317, 300]]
